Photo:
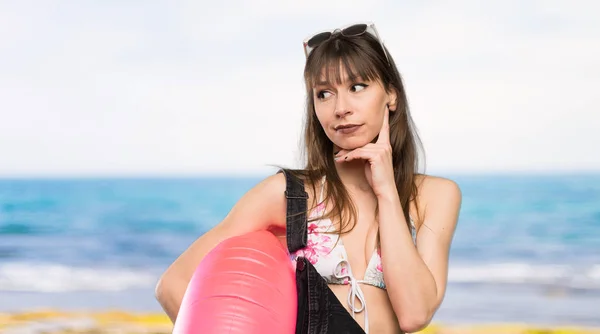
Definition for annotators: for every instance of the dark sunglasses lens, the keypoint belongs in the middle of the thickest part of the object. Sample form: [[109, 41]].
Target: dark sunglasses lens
[[318, 39], [355, 30]]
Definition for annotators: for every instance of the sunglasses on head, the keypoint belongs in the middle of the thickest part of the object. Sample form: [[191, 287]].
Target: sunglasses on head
[[353, 30]]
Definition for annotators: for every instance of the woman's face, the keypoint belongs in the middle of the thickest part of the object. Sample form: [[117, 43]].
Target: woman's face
[[351, 113]]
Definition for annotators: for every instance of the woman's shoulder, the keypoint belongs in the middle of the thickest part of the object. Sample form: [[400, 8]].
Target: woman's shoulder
[[436, 193], [261, 206], [431, 185], [267, 198]]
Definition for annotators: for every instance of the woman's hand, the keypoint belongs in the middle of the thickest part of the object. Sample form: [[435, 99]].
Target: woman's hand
[[378, 161]]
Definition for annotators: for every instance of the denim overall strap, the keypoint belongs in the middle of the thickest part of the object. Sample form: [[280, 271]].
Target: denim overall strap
[[296, 233], [319, 310]]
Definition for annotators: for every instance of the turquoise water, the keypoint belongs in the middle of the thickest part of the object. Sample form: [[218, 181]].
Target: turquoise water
[[527, 247]]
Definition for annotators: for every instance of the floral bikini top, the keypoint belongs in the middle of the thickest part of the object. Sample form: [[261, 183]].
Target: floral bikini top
[[326, 252]]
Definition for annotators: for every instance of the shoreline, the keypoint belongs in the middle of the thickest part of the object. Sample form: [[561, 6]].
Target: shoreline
[[121, 321]]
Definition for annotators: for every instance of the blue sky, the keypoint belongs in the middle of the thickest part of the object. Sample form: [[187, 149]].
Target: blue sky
[[189, 87]]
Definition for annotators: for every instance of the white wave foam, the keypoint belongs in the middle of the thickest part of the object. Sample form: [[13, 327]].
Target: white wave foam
[[523, 273], [28, 277]]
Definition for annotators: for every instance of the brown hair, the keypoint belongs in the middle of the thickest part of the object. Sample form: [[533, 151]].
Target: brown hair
[[361, 57]]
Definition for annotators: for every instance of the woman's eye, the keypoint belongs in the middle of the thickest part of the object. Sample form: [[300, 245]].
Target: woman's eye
[[358, 87], [323, 94]]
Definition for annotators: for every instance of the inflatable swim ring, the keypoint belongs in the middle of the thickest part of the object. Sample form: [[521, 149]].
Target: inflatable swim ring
[[246, 284]]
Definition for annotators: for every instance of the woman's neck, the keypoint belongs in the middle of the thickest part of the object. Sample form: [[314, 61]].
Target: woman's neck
[[352, 174]]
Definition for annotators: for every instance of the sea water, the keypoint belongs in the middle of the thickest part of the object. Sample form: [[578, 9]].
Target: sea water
[[526, 248]]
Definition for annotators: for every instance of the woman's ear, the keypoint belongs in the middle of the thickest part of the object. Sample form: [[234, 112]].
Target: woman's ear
[[392, 99], [392, 105]]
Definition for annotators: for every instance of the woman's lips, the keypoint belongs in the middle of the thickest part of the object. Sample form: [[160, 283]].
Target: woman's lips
[[348, 129]]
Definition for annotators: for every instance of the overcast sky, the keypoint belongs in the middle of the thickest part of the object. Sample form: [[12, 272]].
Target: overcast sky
[[191, 87]]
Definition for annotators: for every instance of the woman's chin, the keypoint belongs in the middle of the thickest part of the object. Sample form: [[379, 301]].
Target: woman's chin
[[351, 144]]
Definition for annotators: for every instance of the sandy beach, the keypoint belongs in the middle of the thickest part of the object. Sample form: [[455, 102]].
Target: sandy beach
[[116, 321], [111, 321]]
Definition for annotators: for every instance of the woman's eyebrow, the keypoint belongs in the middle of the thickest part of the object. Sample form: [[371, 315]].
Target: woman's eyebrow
[[344, 80]]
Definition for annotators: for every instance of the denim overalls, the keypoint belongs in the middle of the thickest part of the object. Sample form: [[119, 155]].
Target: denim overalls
[[319, 310]]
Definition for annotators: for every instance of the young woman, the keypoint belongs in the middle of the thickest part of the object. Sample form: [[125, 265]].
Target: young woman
[[377, 231]]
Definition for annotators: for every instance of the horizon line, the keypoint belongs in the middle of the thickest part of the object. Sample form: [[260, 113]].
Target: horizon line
[[255, 174]]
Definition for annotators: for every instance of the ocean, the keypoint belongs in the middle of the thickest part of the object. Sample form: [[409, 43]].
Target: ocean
[[526, 249]]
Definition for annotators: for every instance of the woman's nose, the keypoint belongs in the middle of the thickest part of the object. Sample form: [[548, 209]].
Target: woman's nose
[[342, 107]]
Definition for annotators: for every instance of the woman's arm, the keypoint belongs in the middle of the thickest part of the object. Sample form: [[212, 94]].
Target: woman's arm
[[416, 277], [260, 208]]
